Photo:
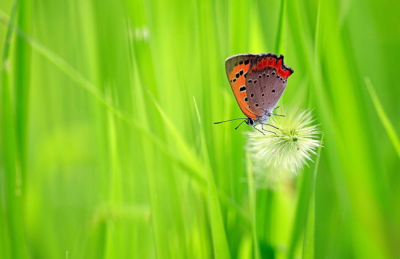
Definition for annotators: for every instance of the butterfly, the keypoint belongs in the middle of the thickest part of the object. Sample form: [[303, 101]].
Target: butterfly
[[258, 82]]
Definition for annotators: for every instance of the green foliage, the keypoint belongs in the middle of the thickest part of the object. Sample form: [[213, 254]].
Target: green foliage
[[102, 154]]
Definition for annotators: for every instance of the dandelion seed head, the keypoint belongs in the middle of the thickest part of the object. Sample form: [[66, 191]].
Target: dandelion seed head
[[287, 152]]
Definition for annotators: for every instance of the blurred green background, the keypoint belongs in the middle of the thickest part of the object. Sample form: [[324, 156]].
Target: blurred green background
[[103, 156]]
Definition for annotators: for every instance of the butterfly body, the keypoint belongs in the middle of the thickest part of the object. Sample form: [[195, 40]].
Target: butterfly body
[[258, 82], [260, 120]]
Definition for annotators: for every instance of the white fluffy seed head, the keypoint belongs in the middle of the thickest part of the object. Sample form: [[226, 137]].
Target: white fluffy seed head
[[287, 152]]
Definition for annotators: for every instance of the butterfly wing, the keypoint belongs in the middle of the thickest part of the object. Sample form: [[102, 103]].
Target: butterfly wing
[[237, 68], [266, 82]]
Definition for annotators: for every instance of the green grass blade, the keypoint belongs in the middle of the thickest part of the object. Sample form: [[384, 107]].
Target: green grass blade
[[301, 213], [14, 200], [21, 79], [75, 75], [309, 234], [192, 162], [221, 248], [183, 146], [91, 88], [383, 117], [253, 203], [281, 28]]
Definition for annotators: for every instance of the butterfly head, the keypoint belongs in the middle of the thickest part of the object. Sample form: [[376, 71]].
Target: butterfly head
[[250, 122], [254, 122]]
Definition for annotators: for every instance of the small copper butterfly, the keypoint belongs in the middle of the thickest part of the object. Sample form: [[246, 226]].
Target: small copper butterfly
[[258, 82]]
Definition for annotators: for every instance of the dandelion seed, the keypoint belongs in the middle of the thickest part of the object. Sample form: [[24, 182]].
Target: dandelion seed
[[289, 150]]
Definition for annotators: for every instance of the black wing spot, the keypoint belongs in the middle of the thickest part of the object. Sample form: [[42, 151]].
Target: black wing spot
[[273, 72], [241, 72], [237, 75], [269, 102], [252, 95], [234, 80], [278, 76], [264, 74], [263, 103], [273, 90], [262, 94], [255, 81], [249, 81], [259, 76], [248, 106], [281, 78], [267, 75], [242, 88], [246, 62], [245, 99], [245, 75], [256, 104], [241, 62]]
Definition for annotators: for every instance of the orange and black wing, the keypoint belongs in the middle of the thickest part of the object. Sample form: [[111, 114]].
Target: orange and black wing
[[266, 82], [237, 68]]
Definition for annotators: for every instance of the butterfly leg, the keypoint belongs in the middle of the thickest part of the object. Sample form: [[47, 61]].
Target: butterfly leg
[[262, 126], [258, 130], [278, 115], [271, 125], [276, 107]]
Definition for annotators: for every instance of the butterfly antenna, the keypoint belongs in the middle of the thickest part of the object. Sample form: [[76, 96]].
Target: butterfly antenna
[[239, 125], [230, 120], [276, 107]]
